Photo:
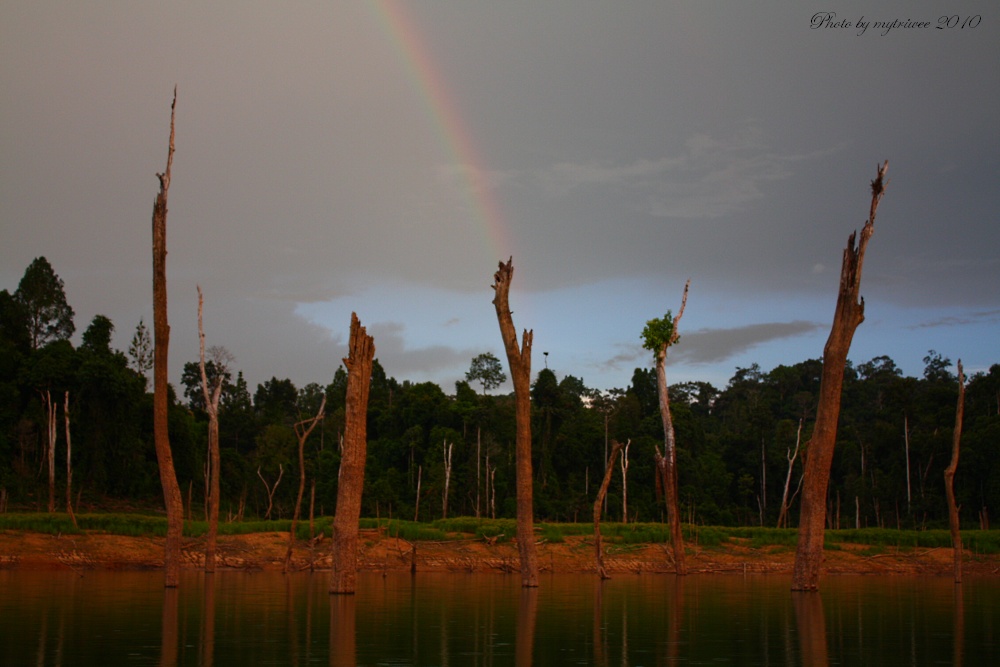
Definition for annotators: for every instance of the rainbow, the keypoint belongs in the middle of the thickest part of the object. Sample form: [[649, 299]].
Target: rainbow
[[444, 116]]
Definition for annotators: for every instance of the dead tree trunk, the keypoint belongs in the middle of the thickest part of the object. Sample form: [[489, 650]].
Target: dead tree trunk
[[785, 500], [659, 336], [850, 313], [416, 507], [447, 477], [51, 412], [271, 489], [949, 477], [161, 341], [212, 395], [519, 360], [302, 431], [69, 463], [598, 503], [361, 352], [624, 463]]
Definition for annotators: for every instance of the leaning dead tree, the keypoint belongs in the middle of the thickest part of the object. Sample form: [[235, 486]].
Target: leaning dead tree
[[303, 429], [519, 359], [658, 335], [361, 353], [598, 502], [949, 477], [850, 313], [161, 341]]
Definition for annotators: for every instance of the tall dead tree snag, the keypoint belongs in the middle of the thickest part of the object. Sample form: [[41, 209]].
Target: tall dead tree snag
[[361, 353], [161, 342], [658, 335], [598, 502], [520, 371], [949, 477], [850, 313]]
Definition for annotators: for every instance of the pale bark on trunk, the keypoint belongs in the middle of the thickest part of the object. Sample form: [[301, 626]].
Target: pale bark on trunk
[[624, 463], [667, 463], [949, 478], [302, 431], [361, 353], [785, 500], [850, 312], [212, 396], [416, 507], [69, 463], [447, 477], [50, 451], [598, 503], [161, 341], [519, 360]]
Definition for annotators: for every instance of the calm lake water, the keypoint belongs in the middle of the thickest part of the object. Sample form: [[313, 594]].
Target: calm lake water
[[234, 618]]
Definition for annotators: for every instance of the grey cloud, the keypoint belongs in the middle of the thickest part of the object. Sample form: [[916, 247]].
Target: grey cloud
[[978, 317]]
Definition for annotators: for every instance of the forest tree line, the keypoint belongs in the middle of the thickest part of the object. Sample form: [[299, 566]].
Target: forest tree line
[[432, 454]]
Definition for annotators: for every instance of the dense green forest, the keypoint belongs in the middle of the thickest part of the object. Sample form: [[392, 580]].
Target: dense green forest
[[734, 442]]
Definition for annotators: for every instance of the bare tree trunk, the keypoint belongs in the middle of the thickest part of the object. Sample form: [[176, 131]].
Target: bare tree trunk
[[161, 342], [850, 313], [906, 444], [69, 464], [352, 465], [50, 426], [624, 463], [949, 477], [302, 431], [271, 489], [519, 360], [598, 502], [785, 502], [447, 477], [667, 464], [416, 508], [478, 459], [212, 396]]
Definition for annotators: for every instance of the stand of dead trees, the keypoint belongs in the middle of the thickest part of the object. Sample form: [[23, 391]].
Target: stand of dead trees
[[850, 313], [949, 477], [161, 342], [658, 335], [361, 353], [520, 371]]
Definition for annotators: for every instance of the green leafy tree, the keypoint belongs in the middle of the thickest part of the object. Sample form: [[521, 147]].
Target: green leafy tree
[[140, 351], [487, 370], [43, 301]]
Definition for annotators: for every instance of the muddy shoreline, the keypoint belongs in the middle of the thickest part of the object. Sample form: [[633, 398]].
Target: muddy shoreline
[[21, 550]]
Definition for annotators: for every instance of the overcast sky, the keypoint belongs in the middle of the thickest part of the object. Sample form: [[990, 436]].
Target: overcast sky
[[382, 157]]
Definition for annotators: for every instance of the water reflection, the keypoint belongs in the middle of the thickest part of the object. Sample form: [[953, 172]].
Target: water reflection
[[233, 618], [343, 631], [812, 628]]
